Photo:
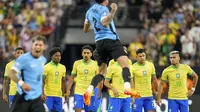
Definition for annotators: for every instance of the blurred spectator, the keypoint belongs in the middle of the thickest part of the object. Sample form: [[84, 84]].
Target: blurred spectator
[[133, 46], [188, 48], [167, 41]]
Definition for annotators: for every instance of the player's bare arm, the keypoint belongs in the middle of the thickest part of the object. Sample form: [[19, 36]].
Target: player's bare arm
[[43, 95], [87, 27], [13, 76], [155, 84], [195, 80], [64, 88], [71, 81], [108, 19], [160, 89], [5, 87], [109, 86]]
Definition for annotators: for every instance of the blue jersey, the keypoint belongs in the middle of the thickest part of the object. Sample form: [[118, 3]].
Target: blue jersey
[[32, 69], [94, 16]]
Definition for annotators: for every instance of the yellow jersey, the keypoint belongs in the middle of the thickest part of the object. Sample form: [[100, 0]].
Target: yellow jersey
[[114, 74], [84, 74], [142, 75], [177, 78], [53, 82], [13, 85]]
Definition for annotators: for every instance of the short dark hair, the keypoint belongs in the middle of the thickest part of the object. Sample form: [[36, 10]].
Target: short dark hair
[[19, 48], [140, 51], [55, 50], [39, 38], [99, 1], [87, 47]]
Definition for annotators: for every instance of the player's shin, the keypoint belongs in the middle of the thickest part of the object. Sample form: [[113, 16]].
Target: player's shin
[[126, 77]]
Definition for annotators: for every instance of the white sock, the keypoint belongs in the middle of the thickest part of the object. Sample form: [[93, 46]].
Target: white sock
[[127, 85]]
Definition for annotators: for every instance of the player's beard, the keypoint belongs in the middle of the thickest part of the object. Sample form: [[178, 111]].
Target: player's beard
[[86, 58]]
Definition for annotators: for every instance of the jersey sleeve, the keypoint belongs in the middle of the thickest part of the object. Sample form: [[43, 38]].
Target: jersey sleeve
[[6, 71], [190, 71], [19, 64], [153, 70], [86, 18], [74, 70], [104, 13], [164, 76], [45, 70], [109, 73]]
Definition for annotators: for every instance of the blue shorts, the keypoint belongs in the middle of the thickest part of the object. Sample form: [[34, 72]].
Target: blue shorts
[[120, 105], [79, 103], [97, 102], [144, 102], [11, 97], [54, 103], [175, 105]]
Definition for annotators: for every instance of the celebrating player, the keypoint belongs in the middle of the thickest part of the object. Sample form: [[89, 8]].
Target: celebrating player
[[54, 82], [107, 43], [143, 75], [84, 70], [30, 66], [13, 87], [176, 75]]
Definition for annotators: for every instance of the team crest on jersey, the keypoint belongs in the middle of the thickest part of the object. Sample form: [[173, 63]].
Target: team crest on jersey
[[177, 75], [86, 71], [144, 72], [57, 73]]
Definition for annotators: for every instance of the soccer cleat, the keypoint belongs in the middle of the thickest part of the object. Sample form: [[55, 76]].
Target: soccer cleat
[[86, 97], [132, 92]]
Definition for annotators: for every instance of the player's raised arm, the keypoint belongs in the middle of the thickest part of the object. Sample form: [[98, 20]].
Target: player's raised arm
[[108, 19]]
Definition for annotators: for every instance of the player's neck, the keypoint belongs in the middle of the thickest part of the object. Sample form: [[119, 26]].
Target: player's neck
[[176, 65], [141, 63], [104, 4], [54, 63], [86, 61]]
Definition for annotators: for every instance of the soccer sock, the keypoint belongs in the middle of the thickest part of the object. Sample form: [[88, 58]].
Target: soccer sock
[[126, 77], [126, 74], [96, 80]]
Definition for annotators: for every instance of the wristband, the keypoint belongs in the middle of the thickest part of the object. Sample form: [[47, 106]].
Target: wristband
[[193, 89], [20, 83]]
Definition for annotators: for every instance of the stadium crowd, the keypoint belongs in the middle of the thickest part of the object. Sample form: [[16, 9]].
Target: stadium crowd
[[20, 20], [175, 27]]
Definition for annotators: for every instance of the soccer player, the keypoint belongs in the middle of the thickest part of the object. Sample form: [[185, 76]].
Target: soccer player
[[29, 84], [54, 82], [13, 87], [176, 76], [84, 70], [144, 75], [118, 101], [107, 43]]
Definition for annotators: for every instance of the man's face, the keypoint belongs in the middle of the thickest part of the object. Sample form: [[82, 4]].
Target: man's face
[[106, 2], [86, 53], [56, 57], [37, 48], [174, 59], [141, 57], [18, 53]]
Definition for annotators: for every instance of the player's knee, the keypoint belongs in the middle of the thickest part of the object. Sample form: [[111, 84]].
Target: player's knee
[[97, 79], [102, 68], [123, 61], [126, 74]]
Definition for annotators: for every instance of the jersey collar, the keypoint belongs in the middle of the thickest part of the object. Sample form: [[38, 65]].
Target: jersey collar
[[54, 63], [86, 63], [141, 64]]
